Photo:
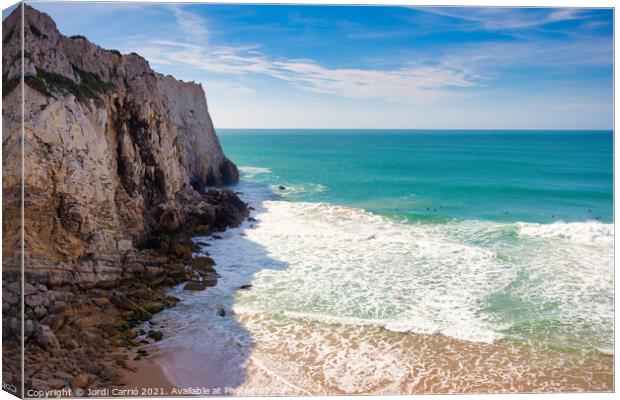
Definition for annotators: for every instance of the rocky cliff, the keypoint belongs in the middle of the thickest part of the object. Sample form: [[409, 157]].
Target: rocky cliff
[[111, 147], [116, 161]]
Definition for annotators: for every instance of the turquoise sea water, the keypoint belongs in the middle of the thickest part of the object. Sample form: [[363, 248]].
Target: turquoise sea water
[[525, 217], [470, 259], [507, 176]]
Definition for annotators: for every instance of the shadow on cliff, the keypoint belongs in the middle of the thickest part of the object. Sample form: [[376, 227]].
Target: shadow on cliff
[[205, 345]]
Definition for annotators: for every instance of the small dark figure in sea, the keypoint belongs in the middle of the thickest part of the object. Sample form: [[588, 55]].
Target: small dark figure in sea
[[245, 287], [281, 187]]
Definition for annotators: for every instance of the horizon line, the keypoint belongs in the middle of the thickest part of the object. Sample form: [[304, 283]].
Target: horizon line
[[430, 129]]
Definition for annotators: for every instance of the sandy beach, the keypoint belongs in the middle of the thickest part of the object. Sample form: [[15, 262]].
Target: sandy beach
[[408, 363], [147, 375]]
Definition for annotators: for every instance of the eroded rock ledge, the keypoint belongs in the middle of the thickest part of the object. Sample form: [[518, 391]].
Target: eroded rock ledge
[[117, 158]]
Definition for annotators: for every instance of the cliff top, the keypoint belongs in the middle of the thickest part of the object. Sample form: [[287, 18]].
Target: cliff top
[[82, 62]]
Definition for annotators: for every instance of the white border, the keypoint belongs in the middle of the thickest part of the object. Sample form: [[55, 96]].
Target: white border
[[506, 3]]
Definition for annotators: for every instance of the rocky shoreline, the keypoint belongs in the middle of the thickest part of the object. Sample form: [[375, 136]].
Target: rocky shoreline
[[75, 337]]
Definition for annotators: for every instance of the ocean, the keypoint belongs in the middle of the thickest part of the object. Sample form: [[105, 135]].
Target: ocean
[[409, 261]]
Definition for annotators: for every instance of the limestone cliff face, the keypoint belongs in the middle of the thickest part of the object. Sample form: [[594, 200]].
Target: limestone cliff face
[[113, 152]]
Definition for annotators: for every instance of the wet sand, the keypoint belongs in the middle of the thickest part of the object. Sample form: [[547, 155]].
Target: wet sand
[[148, 375], [368, 360]]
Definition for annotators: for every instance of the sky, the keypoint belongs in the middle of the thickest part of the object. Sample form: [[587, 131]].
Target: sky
[[292, 66]]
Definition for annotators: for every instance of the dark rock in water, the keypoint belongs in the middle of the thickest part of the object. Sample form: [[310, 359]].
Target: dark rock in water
[[209, 281], [201, 262], [238, 192], [157, 335], [195, 285], [245, 287], [281, 187], [203, 266], [170, 301], [142, 332], [229, 171], [251, 208], [232, 210], [216, 236], [221, 311], [252, 219], [153, 307]]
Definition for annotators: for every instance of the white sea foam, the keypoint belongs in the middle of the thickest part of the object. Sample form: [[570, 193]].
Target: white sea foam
[[327, 280], [346, 266], [250, 172], [343, 265], [581, 232]]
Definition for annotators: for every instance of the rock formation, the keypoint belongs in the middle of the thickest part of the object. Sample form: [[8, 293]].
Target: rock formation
[[116, 161]]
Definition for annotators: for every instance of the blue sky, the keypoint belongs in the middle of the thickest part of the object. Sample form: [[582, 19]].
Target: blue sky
[[371, 67]]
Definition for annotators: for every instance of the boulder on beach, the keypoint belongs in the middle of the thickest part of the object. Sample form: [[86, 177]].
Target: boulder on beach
[[202, 262], [195, 285], [210, 281], [170, 301], [156, 335]]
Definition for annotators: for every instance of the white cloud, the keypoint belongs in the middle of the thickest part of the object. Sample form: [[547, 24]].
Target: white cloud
[[412, 83], [506, 18], [553, 54], [418, 84], [191, 24], [226, 86]]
